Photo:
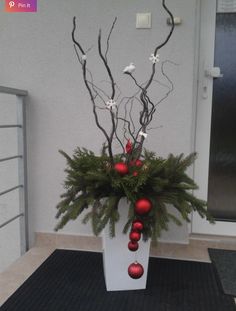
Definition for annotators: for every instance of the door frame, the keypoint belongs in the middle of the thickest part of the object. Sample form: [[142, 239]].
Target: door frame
[[206, 43]]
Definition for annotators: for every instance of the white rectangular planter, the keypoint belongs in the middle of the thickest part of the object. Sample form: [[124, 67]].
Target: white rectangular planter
[[117, 257]]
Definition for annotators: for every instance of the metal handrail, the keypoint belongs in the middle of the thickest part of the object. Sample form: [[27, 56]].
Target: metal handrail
[[12, 91], [11, 158], [10, 125], [10, 220], [22, 162], [11, 189]]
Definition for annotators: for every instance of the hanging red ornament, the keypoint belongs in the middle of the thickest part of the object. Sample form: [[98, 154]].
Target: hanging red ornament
[[121, 168], [129, 147], [135, 236], [143, 206], [133, 246], [135, 173], [135, 270], [137, 225], [138, 163]]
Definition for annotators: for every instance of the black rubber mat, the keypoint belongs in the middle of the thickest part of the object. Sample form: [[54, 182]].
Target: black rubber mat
[[224, 262], [73, 281]]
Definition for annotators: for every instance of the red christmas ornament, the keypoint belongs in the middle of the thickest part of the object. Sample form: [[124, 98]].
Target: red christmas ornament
[[143, 206], [133, 246], [135, 173], [121, 168], [137, 225], [128, 147], [132, 163], [135, 270], [138, 163], [134, 236]]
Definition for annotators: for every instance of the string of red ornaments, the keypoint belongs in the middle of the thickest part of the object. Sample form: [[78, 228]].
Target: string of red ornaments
[[142, 207]]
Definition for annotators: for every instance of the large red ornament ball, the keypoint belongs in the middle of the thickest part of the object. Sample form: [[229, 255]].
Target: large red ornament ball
[[121, 168], [137, 225], [133, 246], [134, 236], [135, 270], [143, 206]]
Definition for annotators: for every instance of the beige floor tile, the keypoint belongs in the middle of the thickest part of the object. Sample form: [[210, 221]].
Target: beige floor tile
[[20, 270]]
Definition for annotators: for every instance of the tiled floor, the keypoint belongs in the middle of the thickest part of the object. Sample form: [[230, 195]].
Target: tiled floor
[[18, 272]]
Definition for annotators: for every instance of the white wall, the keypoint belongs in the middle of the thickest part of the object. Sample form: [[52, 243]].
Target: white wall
[[37, 54]]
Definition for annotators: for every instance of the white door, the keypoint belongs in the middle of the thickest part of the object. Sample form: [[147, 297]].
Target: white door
[[215, 188]]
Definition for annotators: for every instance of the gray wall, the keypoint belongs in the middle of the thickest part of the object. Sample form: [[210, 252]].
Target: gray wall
[[37, 54]]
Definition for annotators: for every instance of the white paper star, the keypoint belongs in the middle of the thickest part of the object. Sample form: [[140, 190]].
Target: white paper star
[[141, 133], [84, 57], [110, 104], [154, 58], [129, 69]]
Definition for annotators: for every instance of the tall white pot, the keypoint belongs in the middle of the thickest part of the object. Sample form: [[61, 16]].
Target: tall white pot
[[117, 257]]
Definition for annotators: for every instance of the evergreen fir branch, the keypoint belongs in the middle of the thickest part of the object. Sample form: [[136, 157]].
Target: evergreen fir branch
[[62, 207], [73, 210], [68, 158], [148, 155], [174, 219], [113, 219], [91, 181], [130, 218], [87, 218], [127, 225]]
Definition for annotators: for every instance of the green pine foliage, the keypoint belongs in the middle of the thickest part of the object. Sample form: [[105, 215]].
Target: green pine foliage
[[94, 186]]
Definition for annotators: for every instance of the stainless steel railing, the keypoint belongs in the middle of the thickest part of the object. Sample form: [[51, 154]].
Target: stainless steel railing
[[22, 164]]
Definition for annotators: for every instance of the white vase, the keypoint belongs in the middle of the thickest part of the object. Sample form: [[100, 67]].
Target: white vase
[[117, 257]]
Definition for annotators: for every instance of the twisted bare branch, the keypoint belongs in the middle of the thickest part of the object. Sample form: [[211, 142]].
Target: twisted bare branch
[[162, 44], [106, 64], [99, 96], [108, 38], [90, 91]]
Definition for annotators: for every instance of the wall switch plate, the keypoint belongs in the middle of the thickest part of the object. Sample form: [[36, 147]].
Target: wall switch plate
[[143, 20]]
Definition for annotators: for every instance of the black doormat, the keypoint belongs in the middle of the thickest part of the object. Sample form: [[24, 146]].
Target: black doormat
[[73, 281], [224, 262]]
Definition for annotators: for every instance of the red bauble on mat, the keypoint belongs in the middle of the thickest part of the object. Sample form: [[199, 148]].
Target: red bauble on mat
[[135, 270], [134, 236], [133, 246], [121, 168], [137, 225], [143, 206]]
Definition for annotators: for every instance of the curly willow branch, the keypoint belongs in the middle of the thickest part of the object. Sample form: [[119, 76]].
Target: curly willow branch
[[90, 92], [162, 44], [148, 108]]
